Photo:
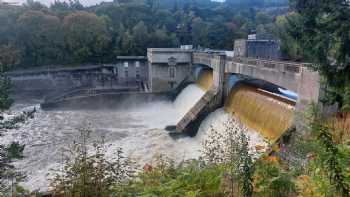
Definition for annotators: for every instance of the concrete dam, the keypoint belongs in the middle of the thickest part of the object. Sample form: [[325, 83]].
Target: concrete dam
[[267, 113], [190, 91]]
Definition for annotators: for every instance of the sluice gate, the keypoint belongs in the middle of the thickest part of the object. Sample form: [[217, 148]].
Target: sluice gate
[[268, 114]]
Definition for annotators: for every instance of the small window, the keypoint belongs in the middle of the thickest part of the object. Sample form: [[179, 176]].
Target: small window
[[126, 73], [126, 64], [137, 64]]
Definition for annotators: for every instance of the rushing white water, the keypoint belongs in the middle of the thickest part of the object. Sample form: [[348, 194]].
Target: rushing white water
[[187, 99], [218, 121], [139, 131]]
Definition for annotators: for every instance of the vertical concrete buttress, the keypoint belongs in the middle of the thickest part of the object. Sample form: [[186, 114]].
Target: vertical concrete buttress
[[308, 88], [218, 65], [309, 92]]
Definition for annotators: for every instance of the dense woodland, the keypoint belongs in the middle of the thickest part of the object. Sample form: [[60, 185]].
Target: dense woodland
[[69, 33]]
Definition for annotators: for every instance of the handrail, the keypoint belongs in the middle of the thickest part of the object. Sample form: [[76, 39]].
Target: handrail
[[290, 67]]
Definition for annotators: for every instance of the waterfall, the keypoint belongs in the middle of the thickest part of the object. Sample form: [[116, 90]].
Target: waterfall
[[193, 93], [205, 79], [187, 99], [268, 114]]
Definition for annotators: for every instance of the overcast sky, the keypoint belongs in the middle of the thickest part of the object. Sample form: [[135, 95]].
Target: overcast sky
[[84, 2]]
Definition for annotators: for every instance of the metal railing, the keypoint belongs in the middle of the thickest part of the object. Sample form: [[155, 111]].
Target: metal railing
[[284, 66]]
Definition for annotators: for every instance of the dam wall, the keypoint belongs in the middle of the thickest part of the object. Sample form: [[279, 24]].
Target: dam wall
[[270, 112], [127, 71], [211, 81]]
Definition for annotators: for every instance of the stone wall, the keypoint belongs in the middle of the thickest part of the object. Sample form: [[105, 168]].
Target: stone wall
[[161, 79], [168, 68], [125, 72]]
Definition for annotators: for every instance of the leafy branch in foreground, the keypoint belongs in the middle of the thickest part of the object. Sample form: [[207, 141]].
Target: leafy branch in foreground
[[230, 147], [89, 174], [331, 160]]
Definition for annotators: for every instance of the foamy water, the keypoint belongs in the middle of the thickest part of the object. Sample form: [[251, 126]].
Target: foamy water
[[187, 99], [139, 131]]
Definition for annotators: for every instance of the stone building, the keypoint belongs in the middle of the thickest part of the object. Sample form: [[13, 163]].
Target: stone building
[[258, 49], [131, 70], [168, 67]]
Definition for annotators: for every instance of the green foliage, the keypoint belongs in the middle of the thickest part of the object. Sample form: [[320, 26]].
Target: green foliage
[[270, 179], [5, 88], [289, 47], [41, 36], [331, 162], [9, 57], [230, 148], [68, 33], [15, 150], [86, 36], [84, 174], [320, 28], [9, 176], [165, 179]]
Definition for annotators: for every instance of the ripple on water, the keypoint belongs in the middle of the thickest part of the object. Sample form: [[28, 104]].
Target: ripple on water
[[139, 131]]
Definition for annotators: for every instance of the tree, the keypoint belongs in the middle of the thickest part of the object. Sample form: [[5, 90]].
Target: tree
[[289, 47], [35, 5], [324, 36], [162, 39], [41, 36], [89, 174], [200, 33], [140, 38], [9, 57], [230, 147], [8, 26], [86, 36]]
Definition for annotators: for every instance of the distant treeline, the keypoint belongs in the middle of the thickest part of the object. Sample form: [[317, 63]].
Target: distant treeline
[[69, 33]]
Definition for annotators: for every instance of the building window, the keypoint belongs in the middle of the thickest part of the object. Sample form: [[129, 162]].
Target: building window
[[137, 64], [126, 64], [172, 72], [126, 73]]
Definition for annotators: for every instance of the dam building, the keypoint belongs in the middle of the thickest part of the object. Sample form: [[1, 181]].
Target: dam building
[[262, 92], [252, 84]]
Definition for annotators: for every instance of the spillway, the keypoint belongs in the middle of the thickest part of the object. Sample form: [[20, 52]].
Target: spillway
[[266, 113], [187, 99], [205, 79], [139, 128]]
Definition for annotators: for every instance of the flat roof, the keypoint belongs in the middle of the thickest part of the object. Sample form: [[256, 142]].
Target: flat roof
[[169, 50], [131, 57]]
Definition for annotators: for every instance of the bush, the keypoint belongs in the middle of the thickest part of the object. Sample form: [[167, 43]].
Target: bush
[[165, 179], [85, 174]]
